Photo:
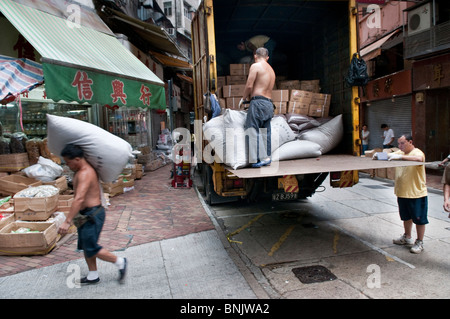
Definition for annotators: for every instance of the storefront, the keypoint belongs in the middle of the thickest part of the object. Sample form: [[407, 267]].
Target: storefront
[[387, 100], [86, 70], [431, 85]]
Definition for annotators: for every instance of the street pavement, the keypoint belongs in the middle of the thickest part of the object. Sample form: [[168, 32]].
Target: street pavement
[[171, 243], [177, 250]]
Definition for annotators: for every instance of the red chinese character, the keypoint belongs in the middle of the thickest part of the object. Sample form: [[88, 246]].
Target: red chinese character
[[145, 95], [118, 92], [83, 84]]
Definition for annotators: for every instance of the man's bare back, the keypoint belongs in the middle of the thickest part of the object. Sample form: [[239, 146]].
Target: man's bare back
[[260, 81]]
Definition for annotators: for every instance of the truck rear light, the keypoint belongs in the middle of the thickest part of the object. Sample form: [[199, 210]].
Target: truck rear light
[[238, 183], [335, 175]]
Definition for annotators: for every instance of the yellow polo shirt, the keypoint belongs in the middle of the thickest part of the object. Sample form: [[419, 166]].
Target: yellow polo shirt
[[410, 181]]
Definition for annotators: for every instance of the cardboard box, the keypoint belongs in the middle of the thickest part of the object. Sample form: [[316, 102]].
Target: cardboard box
[[139, 171], [239, 69], [311, 86], [280, 107], [289, 85], [34, 209], [221, 81], [6, 219], [318, 110], [280, 95], [38, 243], [321, 98], [233, 90], [233, 102], [236, 79], [298, 108], [304, 97], [64, 203], [113, 188], [11, 184], [60, 183], [14, 162]]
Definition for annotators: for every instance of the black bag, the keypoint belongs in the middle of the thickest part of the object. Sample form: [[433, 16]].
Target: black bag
[[357, 72], [79, 219]]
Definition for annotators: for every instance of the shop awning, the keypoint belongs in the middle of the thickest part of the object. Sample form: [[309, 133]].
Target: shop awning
[[18, 75], [153, 34], [171, 62], [373, 50], [84, 65]]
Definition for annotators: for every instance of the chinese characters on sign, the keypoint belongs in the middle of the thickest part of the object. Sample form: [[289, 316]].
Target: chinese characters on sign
[[85, 91], [438, 73], [118, 92], [145, 95], [83, 84]]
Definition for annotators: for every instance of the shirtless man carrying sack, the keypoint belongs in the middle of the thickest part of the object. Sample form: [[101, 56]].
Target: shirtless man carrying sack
[[258, 90]]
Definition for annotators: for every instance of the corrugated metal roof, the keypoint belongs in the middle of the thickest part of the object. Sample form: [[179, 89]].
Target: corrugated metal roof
[[62, 42]]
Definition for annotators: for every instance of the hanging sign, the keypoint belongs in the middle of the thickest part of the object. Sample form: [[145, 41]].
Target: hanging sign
[[83, 86]]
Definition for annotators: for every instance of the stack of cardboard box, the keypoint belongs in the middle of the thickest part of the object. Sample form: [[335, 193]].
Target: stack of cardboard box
[[293, 96]]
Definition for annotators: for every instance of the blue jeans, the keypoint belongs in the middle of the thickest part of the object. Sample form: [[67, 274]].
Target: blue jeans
[[259, 115]]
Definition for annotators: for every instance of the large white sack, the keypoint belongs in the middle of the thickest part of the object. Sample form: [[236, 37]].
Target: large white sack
[[328, 135], [213, 132], [280, 132], [236, 153], [107, 153], [296, 149]]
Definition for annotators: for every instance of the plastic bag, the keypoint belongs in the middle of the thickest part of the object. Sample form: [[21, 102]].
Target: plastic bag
[[45, 170]]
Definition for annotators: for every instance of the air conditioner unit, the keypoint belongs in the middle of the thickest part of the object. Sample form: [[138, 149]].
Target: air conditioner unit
[[419, 19]]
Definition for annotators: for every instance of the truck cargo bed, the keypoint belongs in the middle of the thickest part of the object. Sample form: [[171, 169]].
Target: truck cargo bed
[[322, 164]]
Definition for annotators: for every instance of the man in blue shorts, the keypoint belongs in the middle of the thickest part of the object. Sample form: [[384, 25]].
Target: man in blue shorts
[[87, 202], [411, 191]]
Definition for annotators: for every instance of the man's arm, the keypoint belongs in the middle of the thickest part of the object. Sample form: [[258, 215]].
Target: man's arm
[[78, 201], [447, 198], [253, 72]]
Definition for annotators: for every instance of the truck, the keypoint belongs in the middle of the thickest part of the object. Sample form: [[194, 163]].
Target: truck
[[315, 40]]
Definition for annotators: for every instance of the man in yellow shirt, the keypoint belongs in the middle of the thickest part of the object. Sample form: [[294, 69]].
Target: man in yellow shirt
[[411, 191]]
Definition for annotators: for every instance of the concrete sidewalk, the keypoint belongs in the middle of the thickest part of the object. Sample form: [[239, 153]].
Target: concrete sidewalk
[[195, 266]]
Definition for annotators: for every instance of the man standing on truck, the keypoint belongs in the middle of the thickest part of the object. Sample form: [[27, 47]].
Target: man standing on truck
[[258, 90]]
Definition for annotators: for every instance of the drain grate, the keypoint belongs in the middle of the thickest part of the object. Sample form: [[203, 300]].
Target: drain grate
[[313, 274]]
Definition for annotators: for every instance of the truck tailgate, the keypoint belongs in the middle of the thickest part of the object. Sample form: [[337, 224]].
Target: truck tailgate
[[324, 163]]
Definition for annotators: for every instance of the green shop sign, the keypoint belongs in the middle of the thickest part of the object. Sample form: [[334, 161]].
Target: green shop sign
[[80, 85]]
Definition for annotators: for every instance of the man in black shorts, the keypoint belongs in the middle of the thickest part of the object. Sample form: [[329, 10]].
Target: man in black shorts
[[87, 202]]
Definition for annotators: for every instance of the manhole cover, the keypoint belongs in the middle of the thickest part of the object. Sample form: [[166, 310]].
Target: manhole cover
[[313, 274]]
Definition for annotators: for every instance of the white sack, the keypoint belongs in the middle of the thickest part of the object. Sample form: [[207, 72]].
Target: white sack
[[236, 153], [328, 135], [107, 153], [44, 170], [280, 132], [296, 149], [213, 132]]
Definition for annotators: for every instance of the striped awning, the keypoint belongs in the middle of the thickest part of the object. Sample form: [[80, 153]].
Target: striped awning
[[18, 75], [85, 65]]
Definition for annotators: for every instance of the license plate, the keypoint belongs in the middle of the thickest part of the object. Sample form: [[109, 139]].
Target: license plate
[[284, 196]]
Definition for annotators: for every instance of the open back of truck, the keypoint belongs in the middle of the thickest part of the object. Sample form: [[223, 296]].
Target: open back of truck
[[314, 40]]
